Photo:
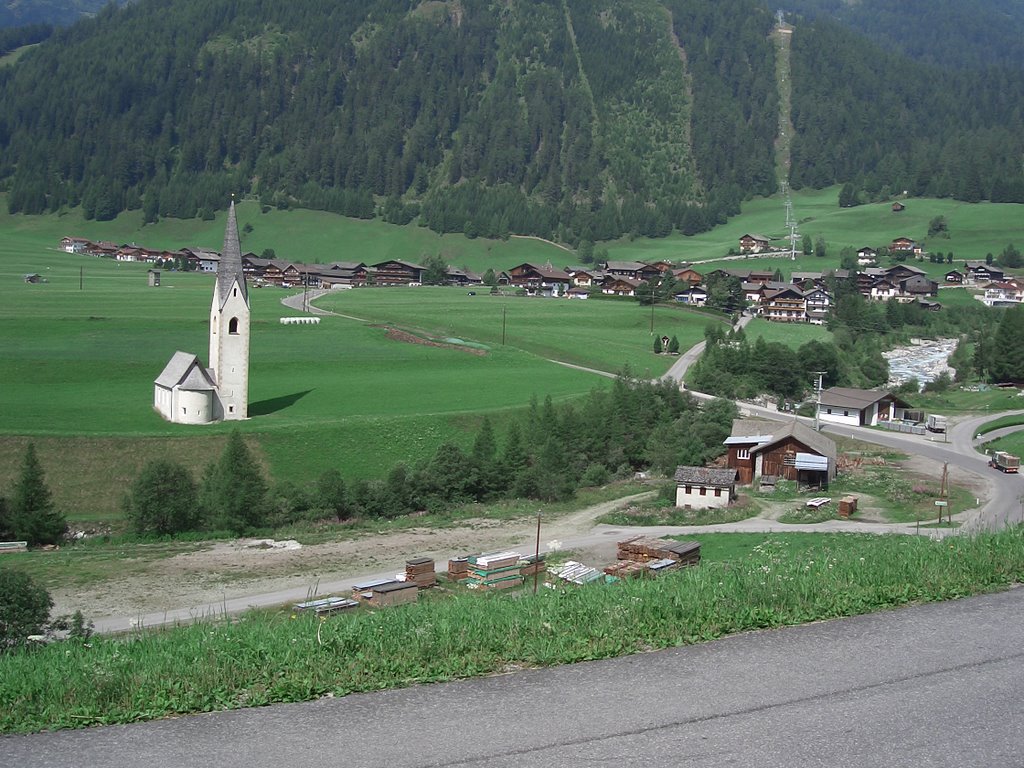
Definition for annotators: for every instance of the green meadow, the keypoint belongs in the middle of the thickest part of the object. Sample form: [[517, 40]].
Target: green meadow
[[78, 353]]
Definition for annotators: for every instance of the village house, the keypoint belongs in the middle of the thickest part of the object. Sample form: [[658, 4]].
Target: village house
[[704, 487], [1004, 294], [537, 280], [980, 272], [74, 244], [397, 272], [634, 270], [807, 280], [860, 407], [867, 257], [954, 277], [784, 306], [898, 207], [620, 286], [688, 275], [817, 305], [916, 287], [695, 296], [577, 292], [758, 448], [752, 243], [584, 277]]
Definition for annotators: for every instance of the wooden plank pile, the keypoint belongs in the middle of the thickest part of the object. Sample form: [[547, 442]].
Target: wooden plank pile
[[532, 564], [458, 568], [627, 569], [576, 573], [495, 570], [643, 549], [394, 593], [325, 606], [420, 571]]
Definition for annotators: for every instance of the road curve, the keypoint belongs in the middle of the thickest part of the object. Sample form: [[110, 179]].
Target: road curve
[[931, 685]]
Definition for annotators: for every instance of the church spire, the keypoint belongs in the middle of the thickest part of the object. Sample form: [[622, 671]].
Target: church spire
[[229, 271]]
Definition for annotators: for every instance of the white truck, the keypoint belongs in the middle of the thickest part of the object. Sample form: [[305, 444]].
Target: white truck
[[935, 423]]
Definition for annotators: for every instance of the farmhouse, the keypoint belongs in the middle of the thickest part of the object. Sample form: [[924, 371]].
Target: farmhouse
[[860, 407], [902, 245], [751, 243], [793, 451], [704, 487], [898, 207], [537, 280], [694, 296], [867, 257], [954, 277], [634, 270], [74, 244], [689, 275], [784, 306], [187, 393], [980, 272], [396, 272], [620, 286]]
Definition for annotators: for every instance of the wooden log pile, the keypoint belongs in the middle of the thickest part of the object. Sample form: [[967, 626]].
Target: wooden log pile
[[643, 549], [495, 570], [458, 568], [420, 571], [627, 569]]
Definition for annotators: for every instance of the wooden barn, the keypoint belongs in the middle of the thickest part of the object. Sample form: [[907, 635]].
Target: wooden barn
[[789, 450]]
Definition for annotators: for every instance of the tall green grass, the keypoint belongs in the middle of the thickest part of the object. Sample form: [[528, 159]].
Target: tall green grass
[[272, 657]]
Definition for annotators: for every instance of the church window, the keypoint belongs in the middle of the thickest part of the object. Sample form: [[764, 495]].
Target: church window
[[231, 409], [234, 291], [233, 326]]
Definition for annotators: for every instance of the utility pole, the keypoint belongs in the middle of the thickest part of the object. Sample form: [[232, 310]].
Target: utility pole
[[652, 313], [943, 501], [81, 277], [536, 556], [819, 378], [503, 308]]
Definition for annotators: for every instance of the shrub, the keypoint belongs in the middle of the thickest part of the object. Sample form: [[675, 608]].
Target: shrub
[[24, 608]]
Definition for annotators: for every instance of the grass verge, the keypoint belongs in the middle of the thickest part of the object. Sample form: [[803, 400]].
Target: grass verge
[[271, 657]]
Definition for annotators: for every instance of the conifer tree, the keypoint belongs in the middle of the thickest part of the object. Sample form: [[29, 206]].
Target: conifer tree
[[33, 514], [163, 499], [234, 491]]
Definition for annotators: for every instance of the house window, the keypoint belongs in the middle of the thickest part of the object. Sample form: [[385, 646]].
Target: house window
[[233, 326], [742, 453], [689, 489], [718, 492], [703, 491], [828, 410], [846, 413]]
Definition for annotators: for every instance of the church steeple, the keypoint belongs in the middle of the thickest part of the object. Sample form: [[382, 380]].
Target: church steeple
[[229, 328], [229, 271]]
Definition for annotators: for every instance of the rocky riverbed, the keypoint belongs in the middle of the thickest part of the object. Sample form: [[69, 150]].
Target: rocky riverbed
[[924, 360]]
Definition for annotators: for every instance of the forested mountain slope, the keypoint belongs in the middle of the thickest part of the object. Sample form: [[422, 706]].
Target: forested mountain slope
[[946, 33], [577, 119], [21, 13]]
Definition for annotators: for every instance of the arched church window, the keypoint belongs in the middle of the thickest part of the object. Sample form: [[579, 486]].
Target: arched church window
[[233, 326]]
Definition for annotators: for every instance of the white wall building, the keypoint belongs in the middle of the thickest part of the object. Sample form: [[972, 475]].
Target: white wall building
[[187, 393]]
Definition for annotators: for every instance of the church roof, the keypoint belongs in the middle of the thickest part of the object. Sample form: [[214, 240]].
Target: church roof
[[230, 269], [185, 371]]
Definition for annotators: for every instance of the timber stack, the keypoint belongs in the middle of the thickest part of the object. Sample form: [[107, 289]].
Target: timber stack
[[495, 570], [532, 564], [458, 568], [420, 571], [642, 549]]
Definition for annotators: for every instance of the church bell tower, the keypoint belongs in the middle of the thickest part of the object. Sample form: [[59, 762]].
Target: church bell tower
[[229, 329]]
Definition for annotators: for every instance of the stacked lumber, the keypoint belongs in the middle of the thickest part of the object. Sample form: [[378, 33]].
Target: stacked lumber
[[393, 593], [458, 568], [643, 549], [364, 592], [420, 571], [532, 564], [576, 573], [327, 605], [626, 569], [495, 570]]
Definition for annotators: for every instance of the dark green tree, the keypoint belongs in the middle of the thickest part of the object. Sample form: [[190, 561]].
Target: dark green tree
[[673, 346], [24, 608], [332, 495], [820, 249], [34, 517], [657, 344], [807, 245], [234, 491], [435, 270], [1007, 356], [490, 278], [163, 499], [847, 196]]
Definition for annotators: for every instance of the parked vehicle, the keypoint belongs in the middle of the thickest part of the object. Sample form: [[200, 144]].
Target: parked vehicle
[[936, 423], [1005, 462]]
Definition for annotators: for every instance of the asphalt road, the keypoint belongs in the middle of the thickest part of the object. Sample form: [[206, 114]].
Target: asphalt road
[[931, 685]]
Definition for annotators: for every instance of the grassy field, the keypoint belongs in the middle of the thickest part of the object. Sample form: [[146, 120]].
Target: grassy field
[[975, 230], [791, 334], [744, 583], [78, 354]]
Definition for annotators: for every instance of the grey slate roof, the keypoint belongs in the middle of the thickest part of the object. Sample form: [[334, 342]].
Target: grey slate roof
[[847, 397], [230, 269], [721, 478], [767, 433], [185, 370]]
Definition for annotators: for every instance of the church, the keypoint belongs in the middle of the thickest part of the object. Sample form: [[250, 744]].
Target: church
[[186, 392]]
